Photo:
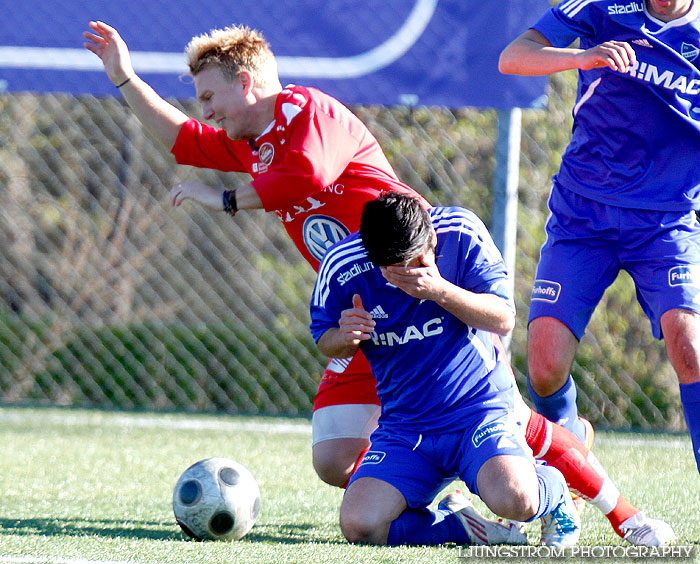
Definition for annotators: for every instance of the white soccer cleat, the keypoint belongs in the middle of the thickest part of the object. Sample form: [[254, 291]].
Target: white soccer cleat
[[483, 531], [561, 527], [641, 530]]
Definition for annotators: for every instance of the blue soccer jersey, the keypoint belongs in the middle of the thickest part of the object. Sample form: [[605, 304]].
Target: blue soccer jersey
[[428, 364], [636, 135]]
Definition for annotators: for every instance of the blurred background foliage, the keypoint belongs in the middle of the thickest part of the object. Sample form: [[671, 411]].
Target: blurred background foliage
[[109, 297]]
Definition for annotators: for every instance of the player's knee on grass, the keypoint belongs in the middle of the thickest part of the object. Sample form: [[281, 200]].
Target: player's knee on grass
[[508, 486], [368, 509], [364, 527], [364, 523], [334, 460]]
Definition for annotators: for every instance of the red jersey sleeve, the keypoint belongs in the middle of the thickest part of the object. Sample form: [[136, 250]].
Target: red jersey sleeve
[[203, 146], [320, 144]]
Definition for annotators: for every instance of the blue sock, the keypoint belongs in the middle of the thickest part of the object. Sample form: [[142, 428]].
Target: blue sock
[[560, 407], [552, 489], [690, 398], [422, 526]]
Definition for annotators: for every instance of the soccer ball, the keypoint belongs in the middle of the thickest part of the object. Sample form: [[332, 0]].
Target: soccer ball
[[216, 499]]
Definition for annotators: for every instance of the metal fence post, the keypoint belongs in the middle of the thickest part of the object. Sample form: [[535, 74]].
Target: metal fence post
[[504, 219]]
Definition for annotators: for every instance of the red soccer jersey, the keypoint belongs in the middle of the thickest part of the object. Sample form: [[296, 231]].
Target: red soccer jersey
[[315, 166]]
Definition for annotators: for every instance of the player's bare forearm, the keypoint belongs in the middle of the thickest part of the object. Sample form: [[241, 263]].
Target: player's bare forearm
[[246, 197], [488, 312], [532, 54], [199, 192], [333, 344], [162, 120], [481, 311]]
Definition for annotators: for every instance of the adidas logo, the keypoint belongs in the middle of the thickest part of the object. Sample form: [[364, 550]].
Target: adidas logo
[[643, 43], [379, 313]]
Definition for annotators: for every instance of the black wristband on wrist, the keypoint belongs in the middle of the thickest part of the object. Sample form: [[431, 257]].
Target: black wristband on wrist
[[229, 201], [123, 83]]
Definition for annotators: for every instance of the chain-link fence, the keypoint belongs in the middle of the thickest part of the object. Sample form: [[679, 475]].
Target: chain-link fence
[[110, 297]]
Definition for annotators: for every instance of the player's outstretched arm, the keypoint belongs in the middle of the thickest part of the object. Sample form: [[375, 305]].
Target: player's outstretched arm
[[532, 54], [354, 326], [161, 119], [199, 192], [246, 196]]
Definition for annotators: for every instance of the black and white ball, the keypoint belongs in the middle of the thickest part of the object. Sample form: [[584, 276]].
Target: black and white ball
[[216, 499]]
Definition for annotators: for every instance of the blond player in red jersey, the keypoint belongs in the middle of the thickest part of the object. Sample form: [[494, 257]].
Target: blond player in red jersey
[[314, 164]]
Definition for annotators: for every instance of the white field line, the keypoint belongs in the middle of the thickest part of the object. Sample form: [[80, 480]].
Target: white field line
[[87, 419], [52, 560], [675, 442], [225, 423]]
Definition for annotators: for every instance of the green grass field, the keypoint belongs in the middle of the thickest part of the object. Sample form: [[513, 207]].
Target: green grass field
[[89, 487]]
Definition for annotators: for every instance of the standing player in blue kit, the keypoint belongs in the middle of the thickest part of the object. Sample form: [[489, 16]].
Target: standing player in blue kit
[[626, 191], [420, 292]]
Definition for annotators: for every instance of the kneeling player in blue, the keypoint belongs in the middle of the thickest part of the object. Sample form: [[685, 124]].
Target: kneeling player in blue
[[420, 292]]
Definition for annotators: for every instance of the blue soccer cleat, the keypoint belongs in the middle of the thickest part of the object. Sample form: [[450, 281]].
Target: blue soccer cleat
[[561, 527]]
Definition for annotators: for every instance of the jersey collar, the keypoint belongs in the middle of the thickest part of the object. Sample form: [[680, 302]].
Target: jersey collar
[[690, 15]]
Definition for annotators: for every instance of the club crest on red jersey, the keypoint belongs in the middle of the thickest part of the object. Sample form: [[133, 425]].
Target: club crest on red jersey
[[266, 154]]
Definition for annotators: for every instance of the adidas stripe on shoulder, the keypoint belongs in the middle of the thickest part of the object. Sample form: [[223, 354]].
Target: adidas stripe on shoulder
[[339, 256]]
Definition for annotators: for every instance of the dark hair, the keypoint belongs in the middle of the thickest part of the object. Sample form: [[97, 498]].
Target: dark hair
[[395, 228]]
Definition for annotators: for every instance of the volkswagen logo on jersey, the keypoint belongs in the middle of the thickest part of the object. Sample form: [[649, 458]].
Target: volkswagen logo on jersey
[[322, 232]]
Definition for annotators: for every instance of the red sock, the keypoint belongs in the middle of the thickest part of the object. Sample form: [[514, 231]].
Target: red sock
[[623, 511], [560, 448], [354, 468]]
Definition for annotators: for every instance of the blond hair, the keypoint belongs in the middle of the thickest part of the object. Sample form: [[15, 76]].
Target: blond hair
[[233, 49]]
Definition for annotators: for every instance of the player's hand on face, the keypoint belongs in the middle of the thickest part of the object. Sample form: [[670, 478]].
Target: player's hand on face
[[198, 192], [107, 44], [356, 324], [422, 281], [617, 55]]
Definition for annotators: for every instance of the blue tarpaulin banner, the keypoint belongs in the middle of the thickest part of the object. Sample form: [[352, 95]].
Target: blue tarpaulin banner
[[427, 52]]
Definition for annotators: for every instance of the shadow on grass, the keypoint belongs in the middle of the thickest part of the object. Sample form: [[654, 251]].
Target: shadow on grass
[[290, 534], [153, 530], [86, 527]]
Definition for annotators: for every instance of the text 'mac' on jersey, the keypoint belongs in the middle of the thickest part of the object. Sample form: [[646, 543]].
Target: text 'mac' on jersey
[[636, 135], [426, 361], [315, 166]]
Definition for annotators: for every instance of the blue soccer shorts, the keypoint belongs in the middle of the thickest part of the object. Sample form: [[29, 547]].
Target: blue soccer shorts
[[421, 465], [587, 245]]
